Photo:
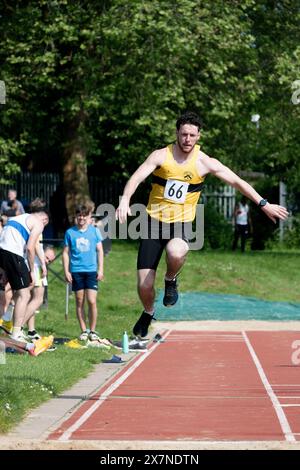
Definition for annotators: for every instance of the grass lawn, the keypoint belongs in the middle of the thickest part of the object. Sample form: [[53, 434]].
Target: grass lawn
[[25, 381]]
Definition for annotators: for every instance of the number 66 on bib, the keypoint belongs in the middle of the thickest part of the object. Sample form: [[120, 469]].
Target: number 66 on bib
[[176, 191]]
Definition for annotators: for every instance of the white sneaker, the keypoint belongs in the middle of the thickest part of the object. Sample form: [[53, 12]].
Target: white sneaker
[[33, 335], [20, 337], [102, 344], [84, 335], [93, 336]]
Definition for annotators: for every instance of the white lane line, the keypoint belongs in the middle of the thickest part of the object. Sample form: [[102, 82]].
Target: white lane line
[[103, 397], [204, 335], [285, 385], [289, 436], [187, 334], [290, 404], [203, 342]]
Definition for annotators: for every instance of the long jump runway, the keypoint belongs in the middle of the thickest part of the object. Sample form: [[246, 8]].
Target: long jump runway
[[199, 386]]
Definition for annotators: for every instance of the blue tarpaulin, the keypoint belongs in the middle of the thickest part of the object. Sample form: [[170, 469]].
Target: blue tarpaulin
[[204, 306]]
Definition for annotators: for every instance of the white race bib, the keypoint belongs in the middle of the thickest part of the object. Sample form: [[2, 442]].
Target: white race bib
[[176, 191]]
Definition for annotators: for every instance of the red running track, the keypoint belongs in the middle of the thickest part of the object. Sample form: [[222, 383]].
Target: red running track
[[212, 386]]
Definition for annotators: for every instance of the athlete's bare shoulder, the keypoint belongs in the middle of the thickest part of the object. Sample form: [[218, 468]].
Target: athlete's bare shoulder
[[33, 222], [158, 156], [207, 164], [204, 163]]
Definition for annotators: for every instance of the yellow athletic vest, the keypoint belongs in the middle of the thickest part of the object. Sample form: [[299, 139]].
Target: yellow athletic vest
[[176, 189]]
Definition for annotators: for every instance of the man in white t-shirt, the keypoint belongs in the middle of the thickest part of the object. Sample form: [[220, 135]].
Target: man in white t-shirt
[[242, 222]]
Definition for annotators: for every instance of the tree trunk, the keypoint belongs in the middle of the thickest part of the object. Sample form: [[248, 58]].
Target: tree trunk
[[75, 178]]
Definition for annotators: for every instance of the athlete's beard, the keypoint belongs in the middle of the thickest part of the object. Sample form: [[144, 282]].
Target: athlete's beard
[[184, 151]]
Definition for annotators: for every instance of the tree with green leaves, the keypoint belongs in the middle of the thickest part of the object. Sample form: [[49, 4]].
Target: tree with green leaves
[[102, 83]]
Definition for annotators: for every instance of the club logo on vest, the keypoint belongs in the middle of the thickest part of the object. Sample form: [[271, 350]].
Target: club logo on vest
[[188, 176]]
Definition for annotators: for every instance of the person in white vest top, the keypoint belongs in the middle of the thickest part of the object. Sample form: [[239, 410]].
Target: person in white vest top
[[241, 224], [18, 242]]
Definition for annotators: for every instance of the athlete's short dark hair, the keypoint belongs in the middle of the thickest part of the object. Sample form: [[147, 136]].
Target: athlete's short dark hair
[[83, 209], [189, 118], [39, 210], [38, 205]]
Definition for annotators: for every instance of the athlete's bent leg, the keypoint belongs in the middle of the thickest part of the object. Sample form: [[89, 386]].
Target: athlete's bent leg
[[146, 291], [176, 251]]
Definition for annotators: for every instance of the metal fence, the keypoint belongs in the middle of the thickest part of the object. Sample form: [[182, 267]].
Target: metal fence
[[31, 185], [102, 190], [223, 198], [44, 185]]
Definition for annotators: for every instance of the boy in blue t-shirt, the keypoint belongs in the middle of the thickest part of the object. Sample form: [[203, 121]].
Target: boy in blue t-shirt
[[83, 265]]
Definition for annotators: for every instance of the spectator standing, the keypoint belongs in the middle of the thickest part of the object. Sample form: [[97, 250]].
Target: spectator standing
[[242, 224], [83, 259]]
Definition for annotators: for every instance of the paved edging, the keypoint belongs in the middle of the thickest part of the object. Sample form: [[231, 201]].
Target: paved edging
[[41, 421]]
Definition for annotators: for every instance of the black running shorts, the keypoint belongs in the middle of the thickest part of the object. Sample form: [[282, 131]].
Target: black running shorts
[[84, 280], [16, 270], [158, 235]]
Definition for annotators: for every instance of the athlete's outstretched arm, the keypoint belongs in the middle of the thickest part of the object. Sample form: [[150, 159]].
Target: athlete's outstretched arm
[[144, 170], [224, 173]]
